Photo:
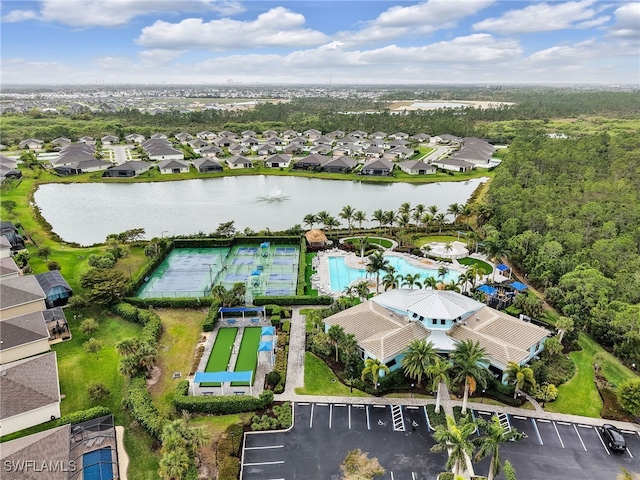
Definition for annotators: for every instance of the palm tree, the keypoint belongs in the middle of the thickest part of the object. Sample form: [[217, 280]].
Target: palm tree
[[452, 286], [373, 366], [378, 216], [174, 464], [377, 263], [418, 212], [440, 218], [332, 222], [474, 272], [128, 346], [390, 218], [455, 210], [495, 249], [405, 208], [442, 272], [469, 359], [418, 357], [489, 444], [360, 216], [362, 290], [198, 437], [322, 217], [336, 335], [563, 325], [439, 371], [463, 280], [411, 280], [404, 220], [521, 376], [347, 214], [467, 213], [391, 280], [361, 243], [430, 282], [426, 219], [310, 219], [433, 209], [448, 247], [454, 439]]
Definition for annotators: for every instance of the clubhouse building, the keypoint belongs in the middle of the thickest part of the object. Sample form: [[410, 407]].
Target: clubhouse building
[[384, 325]]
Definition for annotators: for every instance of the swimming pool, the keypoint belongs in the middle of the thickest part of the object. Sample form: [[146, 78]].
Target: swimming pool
[[342, 276], [97, 465]]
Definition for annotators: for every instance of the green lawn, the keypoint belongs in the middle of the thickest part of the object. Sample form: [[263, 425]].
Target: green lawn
[[319, 379], [474, 261], [579, 396], [307, 274], [435, 238], [384, 242], [220, 353], [614, 371], [181, 329], [248, 355]]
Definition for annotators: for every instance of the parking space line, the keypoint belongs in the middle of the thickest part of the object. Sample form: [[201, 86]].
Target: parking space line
[[264, 448], [484, 413], [277, 462], [544, 420], [563, 423], [358, 405], [629, 452], [349, 417], [602, 441], [330, 414], [321, 404], [311, 419], [368, 419], [535, 427], [392, 476], [340, 404], [305, 403], [410, 407], [578, 433], [584, 426], [519, 418], [413, 476], [558, 433], [379, 406]]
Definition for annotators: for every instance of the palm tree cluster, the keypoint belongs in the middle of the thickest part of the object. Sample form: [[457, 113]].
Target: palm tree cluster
[[180, 445], [230, 298], [457, 439], [138, 357]]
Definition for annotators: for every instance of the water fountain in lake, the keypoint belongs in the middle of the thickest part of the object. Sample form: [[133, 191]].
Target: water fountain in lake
[[274, 195]]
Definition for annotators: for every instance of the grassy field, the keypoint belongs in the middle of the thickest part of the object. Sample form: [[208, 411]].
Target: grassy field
[[248, 355], [307, 274], [579, 396], [221, 353], [319, 379], [474, 261], [181, 329], [384, 242], [435, 238]]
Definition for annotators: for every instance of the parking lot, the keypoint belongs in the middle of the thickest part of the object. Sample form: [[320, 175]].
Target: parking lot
[[399, 437], [323, 434]]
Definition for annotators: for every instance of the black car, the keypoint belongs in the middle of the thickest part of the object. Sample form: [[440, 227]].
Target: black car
[[613, 438], [15, 174]]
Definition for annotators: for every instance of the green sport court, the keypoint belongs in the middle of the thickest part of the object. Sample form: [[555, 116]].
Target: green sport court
[[265, 269]]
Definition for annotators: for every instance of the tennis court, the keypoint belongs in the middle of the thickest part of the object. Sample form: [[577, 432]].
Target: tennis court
[[248, 354], [221, 353], [192, 272]]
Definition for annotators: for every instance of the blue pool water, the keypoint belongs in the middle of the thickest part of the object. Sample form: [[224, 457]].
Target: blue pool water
[[97, 465], [342, 276]]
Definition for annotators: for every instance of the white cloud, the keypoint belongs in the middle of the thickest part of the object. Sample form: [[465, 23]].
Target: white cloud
[[111, 13], [627, 21], [540, 17], [423, 19], [275, 28]]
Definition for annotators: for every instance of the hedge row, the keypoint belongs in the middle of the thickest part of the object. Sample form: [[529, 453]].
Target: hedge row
[[150, 320], [138, 401], [168, 302], [83, 415], [229, 242], [293, 300], [302, 267], [212, 318], [219, 405], [138, 279]]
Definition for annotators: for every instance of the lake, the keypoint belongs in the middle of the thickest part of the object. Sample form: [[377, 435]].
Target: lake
[[85, 213]]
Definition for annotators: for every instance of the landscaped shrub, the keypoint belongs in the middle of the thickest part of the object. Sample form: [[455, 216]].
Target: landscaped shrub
[[126, 311], [138, 402], [196, 360], [179, 302], [212, 318], [302, 268], [286, 326], [273, 378], [83, 416], [293, 300], [275, 320], [219, 405]]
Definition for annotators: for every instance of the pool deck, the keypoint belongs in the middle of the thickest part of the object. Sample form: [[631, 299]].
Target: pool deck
[[322, 279]]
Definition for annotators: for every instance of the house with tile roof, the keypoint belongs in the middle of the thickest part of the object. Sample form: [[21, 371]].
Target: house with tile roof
[[384, 325]]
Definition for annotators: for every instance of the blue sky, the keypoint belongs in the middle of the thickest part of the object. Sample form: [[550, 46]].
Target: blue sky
[[351, 42]]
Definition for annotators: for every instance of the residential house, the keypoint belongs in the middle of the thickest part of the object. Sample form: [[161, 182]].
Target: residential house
[[5, 247], [312, 133], [248, 133], [266, 149], [311, 162], [223, 141], [87, 140], [359, 134], [163, 152], [377, 166], [31, 144], [292, 149], [349, 140], [298, 141], [275, 140], [453, 164], [373, 152], [335, 134], [159, 136], [289, 134], [471, 155], [341, 164], [320, 149], [398, 153], [385, 325], [11, 234], [378, 135], [173, 166], [128, 169], [278, 161], [207, 165], [323, 141], [237, 149], [399, 136], [29, 393], [447, 139], [183, 137], [83, 166], [228, 134], [417, 167], [8, 267], [134, 138], [197, 144], [396, 143], [421, 138], [239, 161], [23, 336], [21, 295], [212, 151], [269, 133], [249, 141], [109, 140], [206, 135], [61, 142]]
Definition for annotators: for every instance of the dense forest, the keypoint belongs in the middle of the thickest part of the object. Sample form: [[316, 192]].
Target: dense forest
[[567, 213], [534, 110]]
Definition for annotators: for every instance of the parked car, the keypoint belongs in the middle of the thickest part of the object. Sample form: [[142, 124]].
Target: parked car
[[613, 438], [16, 174]]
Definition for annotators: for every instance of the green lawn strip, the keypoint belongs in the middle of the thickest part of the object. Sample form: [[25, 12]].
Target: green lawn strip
[[220, 353], [614, 371], [474, 261], [384, 242], [579, 396], [435, 238], [319, 379], [307, 274], [143, 452], [181, 329], [77, 369], [248, 355]]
